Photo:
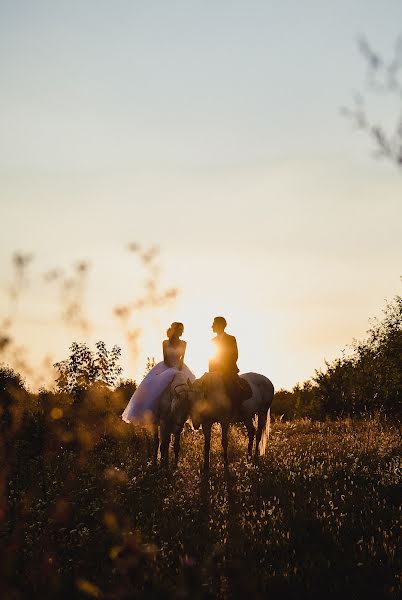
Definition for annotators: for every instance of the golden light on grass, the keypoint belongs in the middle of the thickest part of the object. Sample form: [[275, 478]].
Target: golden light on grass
[[88, 588], [115, 475], [110, 520], [56, 413]]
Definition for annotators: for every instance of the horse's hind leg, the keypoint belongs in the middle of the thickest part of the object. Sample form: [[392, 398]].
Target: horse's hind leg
[[262, 419], [165, 443], [225, 431], [251, 434]]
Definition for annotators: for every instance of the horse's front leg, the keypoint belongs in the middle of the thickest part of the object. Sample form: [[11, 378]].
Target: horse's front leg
[[206, 428], [225, 433], [155, 443], [176, 446], [165, 443]]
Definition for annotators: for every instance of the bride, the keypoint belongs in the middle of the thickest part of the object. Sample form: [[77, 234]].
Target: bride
[[144, 402]]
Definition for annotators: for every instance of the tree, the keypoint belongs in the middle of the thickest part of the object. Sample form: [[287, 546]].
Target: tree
[[306, 401], [126, 389], [83, 367], [150, 365], [370, 379], [12, 394], [284, 404], [383, 77]]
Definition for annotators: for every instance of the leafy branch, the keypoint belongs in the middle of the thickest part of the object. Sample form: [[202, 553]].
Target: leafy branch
[[384, 77]]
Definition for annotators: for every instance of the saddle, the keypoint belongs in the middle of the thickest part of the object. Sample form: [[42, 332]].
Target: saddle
[[238, 390]]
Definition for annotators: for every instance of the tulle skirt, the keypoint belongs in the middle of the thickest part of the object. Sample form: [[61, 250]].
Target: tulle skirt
[[144, 402]]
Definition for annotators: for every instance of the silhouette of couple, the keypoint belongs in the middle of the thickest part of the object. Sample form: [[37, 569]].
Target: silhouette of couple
[[144, 401]]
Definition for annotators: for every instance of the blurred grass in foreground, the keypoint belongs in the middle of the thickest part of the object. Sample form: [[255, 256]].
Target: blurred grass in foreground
[[85, 514]]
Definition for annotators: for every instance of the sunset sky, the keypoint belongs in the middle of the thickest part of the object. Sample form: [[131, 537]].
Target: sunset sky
[[213, 130]]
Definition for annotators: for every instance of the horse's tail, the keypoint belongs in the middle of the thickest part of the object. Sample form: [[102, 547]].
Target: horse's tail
[[265, 434]]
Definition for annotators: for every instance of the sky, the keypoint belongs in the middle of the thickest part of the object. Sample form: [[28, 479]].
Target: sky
[[212, 130]]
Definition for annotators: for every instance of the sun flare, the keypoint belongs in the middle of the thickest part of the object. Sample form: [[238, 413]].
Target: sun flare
[[250, 330]]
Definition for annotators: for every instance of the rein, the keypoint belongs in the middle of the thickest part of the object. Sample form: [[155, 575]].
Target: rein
[[179, 385]]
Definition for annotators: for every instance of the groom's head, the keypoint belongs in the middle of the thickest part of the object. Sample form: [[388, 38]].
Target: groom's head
[[219, 324]]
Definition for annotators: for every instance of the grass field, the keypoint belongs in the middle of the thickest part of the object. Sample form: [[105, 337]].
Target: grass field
[[320, 516]]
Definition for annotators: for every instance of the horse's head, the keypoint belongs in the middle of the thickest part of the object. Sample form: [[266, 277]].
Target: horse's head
[[207, 397], [196, 393], [186, 399], [180, 399], [200, 399]]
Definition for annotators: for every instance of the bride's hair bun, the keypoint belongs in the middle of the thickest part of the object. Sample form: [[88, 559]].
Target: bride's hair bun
[[173, 328]]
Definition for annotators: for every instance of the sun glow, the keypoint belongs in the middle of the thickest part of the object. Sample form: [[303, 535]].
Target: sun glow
[[249, 330]]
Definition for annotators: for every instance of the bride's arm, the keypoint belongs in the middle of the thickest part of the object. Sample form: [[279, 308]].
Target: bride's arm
[[165, 358], [182, 355]]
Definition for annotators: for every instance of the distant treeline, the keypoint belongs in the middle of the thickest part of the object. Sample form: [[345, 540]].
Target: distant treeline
[[365, 381]]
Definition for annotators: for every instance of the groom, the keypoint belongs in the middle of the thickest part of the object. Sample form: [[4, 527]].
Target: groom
[[225, 363]]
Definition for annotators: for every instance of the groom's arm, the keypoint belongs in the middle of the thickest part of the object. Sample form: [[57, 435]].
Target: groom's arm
[[234, 349]]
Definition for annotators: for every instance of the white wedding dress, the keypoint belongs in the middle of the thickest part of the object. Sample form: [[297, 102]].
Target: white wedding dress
[[144, 402]]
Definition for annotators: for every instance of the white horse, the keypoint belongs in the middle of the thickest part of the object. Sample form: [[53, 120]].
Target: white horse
[[211, 404]]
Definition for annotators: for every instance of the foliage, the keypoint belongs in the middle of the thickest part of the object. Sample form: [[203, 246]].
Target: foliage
[[13, 393], [284, 405], [10, 381], [149, 365], [370, 379], [126, 389], [86, 514], [383, 78], [72, 286], [366, 381], [84, 368]]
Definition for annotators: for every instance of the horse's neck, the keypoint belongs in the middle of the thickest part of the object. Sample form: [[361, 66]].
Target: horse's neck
[[165, 400], [216, 393], [215, 383], [178, 379]]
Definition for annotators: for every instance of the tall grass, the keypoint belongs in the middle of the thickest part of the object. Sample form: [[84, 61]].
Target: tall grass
[[88, 515]]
